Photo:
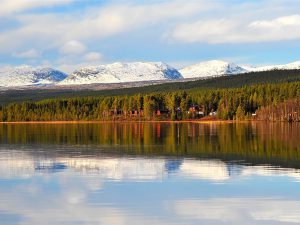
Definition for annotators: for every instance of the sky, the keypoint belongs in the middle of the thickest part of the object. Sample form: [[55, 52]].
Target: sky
[[67, 34]]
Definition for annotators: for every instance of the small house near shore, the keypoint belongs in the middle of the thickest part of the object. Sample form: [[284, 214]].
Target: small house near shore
[[195, 111], [214, 113], [162, 112]]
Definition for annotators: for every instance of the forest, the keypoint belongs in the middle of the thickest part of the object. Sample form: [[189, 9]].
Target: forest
[[243, 103], [223, 82], [288, 110]]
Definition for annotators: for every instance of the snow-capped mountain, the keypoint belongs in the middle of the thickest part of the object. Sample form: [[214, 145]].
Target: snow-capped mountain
[[122, 72], [12, 77], [211, 68], [220, 68], [29, 76], [289, 66]]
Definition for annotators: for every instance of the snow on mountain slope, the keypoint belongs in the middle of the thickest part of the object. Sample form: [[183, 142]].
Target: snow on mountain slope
[[122, 72], [21, 76], [211, 68], [289, 66], [29, 76], [220, 68]]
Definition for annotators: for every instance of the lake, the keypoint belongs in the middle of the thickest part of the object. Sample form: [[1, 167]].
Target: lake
[[150, 173]]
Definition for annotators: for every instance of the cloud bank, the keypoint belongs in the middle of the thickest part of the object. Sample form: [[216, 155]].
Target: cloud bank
[[53, 31], [237, 31]]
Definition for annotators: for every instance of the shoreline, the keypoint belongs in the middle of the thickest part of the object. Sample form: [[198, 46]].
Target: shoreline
[[129, 121]]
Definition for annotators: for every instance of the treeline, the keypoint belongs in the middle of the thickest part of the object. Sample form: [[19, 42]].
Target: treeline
[[236, 81], [235, 103], [284, 111]]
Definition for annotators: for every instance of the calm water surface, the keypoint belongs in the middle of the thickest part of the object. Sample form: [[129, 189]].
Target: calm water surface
[[150, 173]]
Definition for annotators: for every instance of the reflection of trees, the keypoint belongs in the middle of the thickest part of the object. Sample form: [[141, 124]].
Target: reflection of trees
[[276, 143]]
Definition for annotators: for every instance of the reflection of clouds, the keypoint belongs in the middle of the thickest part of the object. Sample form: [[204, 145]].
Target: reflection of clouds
[[93, 183], [240, 210], [51, 210], [80, 193], [74, 196], [74, 187], [65, 198]]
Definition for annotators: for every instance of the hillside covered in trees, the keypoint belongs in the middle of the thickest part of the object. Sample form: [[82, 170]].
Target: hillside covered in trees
[[230, 103], [234, 81]]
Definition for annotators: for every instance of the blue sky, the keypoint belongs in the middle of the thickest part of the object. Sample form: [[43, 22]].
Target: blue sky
[[67, 34]]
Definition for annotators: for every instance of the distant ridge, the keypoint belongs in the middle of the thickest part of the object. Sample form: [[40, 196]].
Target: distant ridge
[[215, 68], [121, 73], [240, 80], [211, 68], [29, 76]]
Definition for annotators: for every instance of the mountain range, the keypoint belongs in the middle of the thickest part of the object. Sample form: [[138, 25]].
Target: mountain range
[[212, 68], [29, 76], [13, 77], [122, 72]]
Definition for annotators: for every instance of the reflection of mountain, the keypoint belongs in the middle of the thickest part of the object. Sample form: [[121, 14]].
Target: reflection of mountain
[[118, 168], [234, 169], [125, 168], [50, 167], [16, 167], [173, 165], [206, 169], [107, 168]]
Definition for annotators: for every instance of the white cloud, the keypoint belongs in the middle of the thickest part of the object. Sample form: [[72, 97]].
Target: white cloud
[[53, 30], [9, 7], [67, 68], [73, 48], [92, 56], [70, 62], [185, 21], [237, 30], [30, 54], [285, 21]]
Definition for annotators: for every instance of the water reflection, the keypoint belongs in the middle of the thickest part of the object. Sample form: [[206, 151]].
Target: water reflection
[[240, 211], [93, 174], [126, 190], [137, 168], [257, 143]]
